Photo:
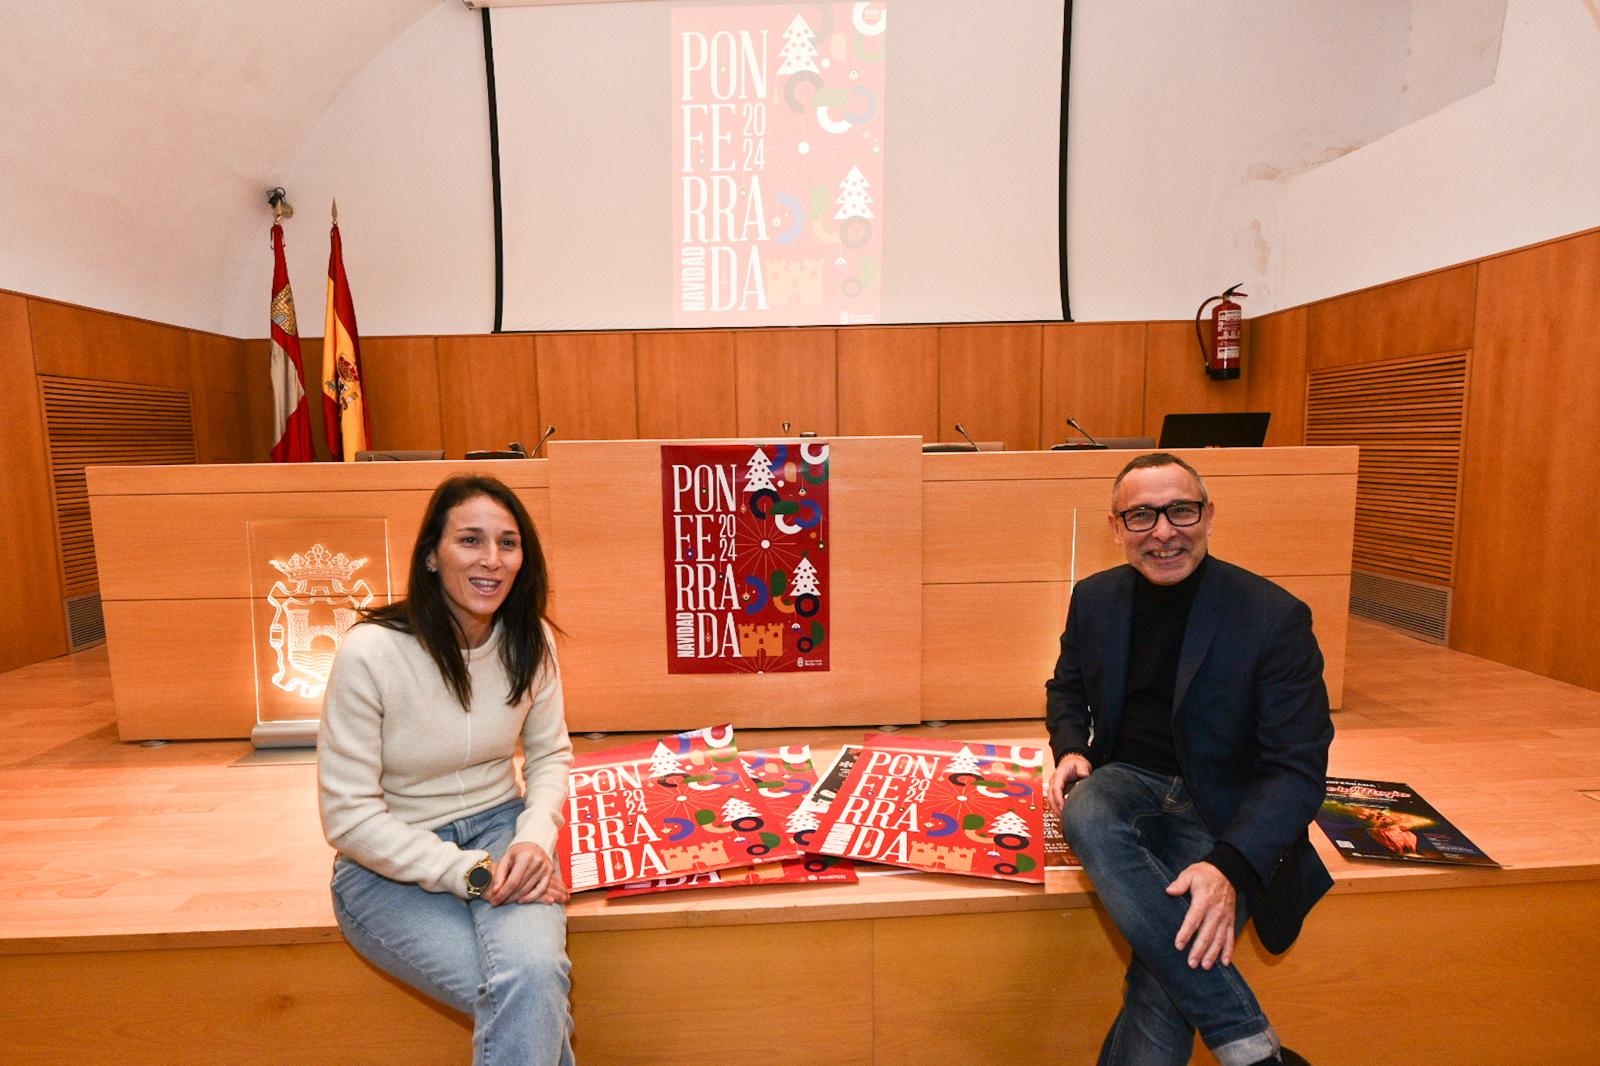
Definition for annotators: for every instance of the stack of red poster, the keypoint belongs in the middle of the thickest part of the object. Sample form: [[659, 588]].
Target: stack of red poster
[[784, 777], [680, 805], [941, 806]]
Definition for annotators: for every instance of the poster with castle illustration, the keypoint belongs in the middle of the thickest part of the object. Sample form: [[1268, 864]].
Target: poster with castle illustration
[[745, 538], [777, 182], [672, 807], [943, 807], [785, 776]]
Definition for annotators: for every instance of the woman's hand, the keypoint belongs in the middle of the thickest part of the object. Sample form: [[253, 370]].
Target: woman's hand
[[525, 874]]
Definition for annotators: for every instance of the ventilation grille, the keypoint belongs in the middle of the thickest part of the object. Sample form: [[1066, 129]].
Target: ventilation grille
[[1417, 608], [1408, 417], [86, 625], [105, 423]]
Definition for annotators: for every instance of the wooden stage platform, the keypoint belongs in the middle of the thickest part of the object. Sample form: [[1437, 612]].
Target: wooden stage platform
[[163, 905]]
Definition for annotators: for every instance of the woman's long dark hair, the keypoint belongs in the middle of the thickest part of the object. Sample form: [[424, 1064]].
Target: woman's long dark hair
[[425, 612]]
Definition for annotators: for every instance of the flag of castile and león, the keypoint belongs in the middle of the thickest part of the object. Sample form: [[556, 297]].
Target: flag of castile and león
[[291, 422], [344, 400]]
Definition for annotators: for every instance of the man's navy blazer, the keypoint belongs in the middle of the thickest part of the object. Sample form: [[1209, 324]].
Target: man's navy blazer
[[1250, 721]]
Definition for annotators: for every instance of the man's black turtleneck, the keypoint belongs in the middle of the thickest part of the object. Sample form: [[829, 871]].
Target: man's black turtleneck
[[1160, 616], [1144, 737]]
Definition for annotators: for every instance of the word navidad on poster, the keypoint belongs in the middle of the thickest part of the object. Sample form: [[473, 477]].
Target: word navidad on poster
[[778, 163], [746, 549], [680, 805], [785, 776], [941, 806]]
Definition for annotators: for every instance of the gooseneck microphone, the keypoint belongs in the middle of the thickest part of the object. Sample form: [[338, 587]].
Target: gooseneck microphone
[[549, 431], [1073, 422], [963, 431]]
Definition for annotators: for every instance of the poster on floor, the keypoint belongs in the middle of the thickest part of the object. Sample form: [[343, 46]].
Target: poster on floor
[[1388, 820], [746, 544], [785, 776], [956, 807], [672, 807]]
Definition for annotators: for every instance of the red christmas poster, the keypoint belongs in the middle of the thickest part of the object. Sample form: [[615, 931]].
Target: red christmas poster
[[943, 807], [746, 545], [663, 808], [785, 776]]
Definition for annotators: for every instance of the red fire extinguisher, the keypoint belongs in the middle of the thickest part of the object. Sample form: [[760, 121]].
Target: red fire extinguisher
[[1222, 362]]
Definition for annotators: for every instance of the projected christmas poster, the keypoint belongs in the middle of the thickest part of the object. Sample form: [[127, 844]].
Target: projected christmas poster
[[785, 776], [746, 544], [777, 150], [942, 807], [680, 805]]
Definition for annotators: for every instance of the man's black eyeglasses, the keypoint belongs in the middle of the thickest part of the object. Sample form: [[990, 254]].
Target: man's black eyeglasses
[[1179, 513]]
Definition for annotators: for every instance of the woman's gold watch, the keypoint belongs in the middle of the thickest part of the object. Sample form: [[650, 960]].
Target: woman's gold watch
[[478, 878]]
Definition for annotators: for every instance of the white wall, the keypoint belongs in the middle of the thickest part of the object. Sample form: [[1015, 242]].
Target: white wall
[[405, 151], [136, 141], [1513, 164]]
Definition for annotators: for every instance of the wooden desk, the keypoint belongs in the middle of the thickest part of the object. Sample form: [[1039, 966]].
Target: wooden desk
[[956, 570]]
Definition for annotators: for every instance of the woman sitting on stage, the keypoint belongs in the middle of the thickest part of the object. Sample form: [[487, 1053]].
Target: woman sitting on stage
[[445, 877]]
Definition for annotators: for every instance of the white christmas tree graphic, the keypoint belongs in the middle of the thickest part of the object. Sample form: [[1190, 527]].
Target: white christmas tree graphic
[[758, 473], [1010, 824], [853, 198], [800, 821], [736, 809], [798, 52], [964, 762], [803, 582], [663, 762]]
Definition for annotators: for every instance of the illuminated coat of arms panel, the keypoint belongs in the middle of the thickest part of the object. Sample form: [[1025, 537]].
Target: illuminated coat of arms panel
[[310, 579]]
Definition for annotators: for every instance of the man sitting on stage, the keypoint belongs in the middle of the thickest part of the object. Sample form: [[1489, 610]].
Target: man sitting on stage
[[1189, 721]]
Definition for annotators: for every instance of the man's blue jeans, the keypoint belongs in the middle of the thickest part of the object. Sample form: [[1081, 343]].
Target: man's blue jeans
[[506, 966], [1135, 832]]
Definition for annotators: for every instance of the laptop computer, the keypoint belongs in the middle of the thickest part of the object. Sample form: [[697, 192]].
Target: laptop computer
[[1220, 429]]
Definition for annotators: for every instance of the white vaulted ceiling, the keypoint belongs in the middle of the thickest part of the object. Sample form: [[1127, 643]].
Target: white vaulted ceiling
[[137, 137]]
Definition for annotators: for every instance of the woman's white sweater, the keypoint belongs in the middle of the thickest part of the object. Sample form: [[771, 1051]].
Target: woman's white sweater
[[397, 756]]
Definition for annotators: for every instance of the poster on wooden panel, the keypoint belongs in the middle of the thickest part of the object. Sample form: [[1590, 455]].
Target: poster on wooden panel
[[956, 807], [785, 776], [1388, 820], [680, 805], [310, 580], [778, 163], [746, 541]]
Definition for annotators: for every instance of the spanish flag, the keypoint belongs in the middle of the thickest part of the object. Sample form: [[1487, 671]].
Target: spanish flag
[[344, 403]]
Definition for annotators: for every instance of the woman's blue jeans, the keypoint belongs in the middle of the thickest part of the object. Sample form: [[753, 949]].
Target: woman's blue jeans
[[1135, 832], [506, 966]]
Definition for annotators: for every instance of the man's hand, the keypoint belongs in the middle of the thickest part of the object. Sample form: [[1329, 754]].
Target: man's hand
[[1069, 771], [522, 875], [1213, 908]]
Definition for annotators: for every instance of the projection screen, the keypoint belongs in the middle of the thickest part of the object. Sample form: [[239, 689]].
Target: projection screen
[[707, 164]]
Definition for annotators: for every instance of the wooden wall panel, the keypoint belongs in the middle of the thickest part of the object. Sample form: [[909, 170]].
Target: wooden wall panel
[[587, 385], [786, 376], [1275, 374], [257, 355], [1175, 380], [633, 1001], [989, 381], [607, 556], [32, 625], [1002, 675], [219, 384], [1094, 372], [75, 342], [1418, 316], [686, 385], [1530, 476], [168, 684], [401, 378], [488, 393], [889, 382]]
